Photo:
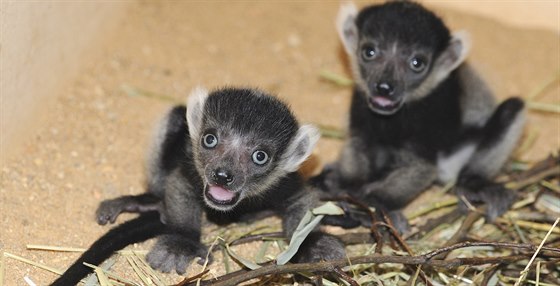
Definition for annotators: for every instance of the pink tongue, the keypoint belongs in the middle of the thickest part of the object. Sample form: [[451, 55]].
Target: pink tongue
[[382, 101], [220, 194]]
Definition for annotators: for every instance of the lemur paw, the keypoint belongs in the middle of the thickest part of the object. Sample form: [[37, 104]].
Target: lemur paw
[[327, 181], [108, 211], [320, 247], [346, 221], [399, 221], [497, 198], [173, 252]]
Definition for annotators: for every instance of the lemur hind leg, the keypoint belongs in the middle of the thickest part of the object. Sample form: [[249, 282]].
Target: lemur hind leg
[[499, 137]]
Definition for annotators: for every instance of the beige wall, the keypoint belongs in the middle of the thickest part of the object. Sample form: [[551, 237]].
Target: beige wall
[[42, 46], [541, 14]]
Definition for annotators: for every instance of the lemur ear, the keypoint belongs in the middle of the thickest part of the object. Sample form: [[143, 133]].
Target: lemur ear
[[300, 148], [454, 55], [346, 27], [195, 110]]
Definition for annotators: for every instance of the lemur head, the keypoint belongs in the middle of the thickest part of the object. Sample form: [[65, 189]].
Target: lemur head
[[399, 52], [243, 142]]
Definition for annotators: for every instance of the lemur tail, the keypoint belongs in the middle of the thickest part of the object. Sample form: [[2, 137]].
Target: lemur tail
[[142, 228]]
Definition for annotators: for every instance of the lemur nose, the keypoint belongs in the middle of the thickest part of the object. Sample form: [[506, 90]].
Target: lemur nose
[[223, 177], [384, 89]]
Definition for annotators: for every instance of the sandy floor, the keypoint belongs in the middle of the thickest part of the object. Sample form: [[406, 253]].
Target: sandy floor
[[93, 146]]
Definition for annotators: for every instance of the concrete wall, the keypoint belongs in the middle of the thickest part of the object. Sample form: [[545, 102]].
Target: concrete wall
[[42, 46]]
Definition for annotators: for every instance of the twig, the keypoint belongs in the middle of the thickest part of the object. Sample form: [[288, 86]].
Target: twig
[[541, 88], [39, 265], [452, 216], [463, 230], [257, 237], [544, 107], [549, 162], [193, 278], [509, 245], [345, 276], [526, 270], [331, 132], [336, 78], [134, 92], [395, 233], [240, 276], [554, 171], [374, 230], [403, 245]]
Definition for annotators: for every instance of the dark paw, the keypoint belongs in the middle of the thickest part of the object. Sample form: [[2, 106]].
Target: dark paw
[[344, 221], [497, 198], [347, 220], [327, 181], [320, 247], [108, 211], [173, 252], [399, 221]]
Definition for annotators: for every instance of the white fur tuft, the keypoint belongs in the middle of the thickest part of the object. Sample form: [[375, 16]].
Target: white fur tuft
[[300, 148], [195, 110], [346, 27], [465, 39]]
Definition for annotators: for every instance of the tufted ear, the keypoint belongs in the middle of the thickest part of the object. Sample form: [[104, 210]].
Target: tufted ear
[[195, 110], [346, 27], [300, 148], [454, 55]]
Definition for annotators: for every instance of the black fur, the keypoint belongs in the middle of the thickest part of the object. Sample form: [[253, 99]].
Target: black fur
[[183, 169], [144, 227], [411, 122], [386, 22]]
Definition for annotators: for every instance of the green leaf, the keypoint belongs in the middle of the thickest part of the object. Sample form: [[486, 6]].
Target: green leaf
[[249, 264], [329, 208], [309, 221]]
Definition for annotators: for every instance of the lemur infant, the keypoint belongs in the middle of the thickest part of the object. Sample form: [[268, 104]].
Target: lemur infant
[[419, 113], [228, 153]]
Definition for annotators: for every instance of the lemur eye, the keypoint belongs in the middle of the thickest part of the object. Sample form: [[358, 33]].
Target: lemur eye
[[260, 157], [209, 140], [417, 64], [368, 53]]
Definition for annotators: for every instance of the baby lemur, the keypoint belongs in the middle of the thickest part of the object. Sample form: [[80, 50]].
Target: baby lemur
[[236, 152], [419, 112]]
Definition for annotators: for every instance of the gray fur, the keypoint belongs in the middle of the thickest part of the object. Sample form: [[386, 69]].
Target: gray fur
[[419, 112], [410, 176], [489, 160], [453, 56], [192, 176], [477, 100]]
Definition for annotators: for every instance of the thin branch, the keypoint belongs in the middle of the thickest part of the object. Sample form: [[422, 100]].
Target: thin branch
[[374, 230], [345, 276], [427, 259], [193, 278]]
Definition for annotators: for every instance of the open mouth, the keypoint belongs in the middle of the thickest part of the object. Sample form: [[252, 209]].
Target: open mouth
[[220, 195], [384, 105]]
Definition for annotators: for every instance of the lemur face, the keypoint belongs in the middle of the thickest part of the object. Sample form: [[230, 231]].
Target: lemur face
[[390, 71], [233, 165], [399, 52], [244, 141]]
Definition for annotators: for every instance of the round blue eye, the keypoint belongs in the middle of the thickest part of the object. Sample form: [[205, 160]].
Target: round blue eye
[[260, 157], [209, 140]]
